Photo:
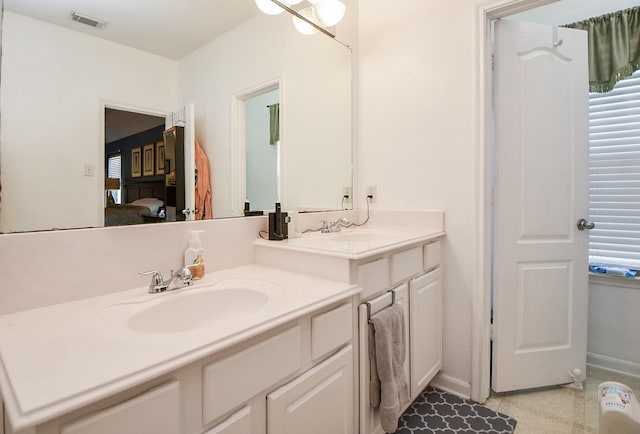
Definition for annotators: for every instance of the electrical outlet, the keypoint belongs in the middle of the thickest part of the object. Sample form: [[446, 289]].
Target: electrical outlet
[[346, 194], [372, 194]]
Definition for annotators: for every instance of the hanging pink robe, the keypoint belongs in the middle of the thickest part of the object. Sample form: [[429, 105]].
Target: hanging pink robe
[[203, 184]]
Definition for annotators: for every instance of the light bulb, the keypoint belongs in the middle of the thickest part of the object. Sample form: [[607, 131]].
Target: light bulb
[[269, 7], [329, 12], [302, 26]]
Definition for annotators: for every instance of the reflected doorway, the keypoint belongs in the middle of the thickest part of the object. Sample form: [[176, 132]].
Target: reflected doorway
[[134, 168], [256, 157], [262, 150]]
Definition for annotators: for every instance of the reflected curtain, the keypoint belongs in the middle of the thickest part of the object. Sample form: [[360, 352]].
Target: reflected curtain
[[274, 123], [614, 47]]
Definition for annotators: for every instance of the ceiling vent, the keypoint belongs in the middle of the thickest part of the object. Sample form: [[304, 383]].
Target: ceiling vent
[[83, 19]]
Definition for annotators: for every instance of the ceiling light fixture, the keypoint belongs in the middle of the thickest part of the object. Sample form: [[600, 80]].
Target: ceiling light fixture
[[269, 7], [303, 26], [329, 12], [310, 19]]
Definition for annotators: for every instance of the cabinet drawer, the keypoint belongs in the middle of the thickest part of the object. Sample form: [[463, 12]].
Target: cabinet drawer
[[373, 277], [431, 255], [320, 401], [156, 411], [331, 330], [238, 423], [406, 264], [229, 382]]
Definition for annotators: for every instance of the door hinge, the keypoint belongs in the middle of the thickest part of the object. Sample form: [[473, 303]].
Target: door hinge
[[493, 61], [492, 332]]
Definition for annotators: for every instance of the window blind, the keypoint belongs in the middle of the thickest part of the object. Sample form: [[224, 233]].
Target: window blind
[[114, 170], [114, 167], [614, 174]]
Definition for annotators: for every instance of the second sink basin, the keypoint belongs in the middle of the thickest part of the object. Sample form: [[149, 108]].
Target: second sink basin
[[188, 309], [361, 236]]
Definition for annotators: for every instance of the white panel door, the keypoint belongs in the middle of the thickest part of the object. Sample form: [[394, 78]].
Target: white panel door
[[540, 256]]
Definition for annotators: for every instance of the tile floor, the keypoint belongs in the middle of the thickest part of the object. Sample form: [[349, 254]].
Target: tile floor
[[558, 410]]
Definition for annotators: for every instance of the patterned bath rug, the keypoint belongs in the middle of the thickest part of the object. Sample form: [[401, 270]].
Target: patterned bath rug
[[438, 412]]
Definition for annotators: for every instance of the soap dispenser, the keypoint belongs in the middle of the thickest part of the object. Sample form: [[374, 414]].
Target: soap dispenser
[[194, 256]]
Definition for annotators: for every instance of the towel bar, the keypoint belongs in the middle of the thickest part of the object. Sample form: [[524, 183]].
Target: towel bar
[[381, 302]]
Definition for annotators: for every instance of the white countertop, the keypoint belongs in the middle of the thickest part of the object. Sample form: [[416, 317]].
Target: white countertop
[[59, 358], [356, 243]]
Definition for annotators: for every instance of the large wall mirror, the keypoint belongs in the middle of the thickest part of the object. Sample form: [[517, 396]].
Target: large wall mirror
[[205, 65]]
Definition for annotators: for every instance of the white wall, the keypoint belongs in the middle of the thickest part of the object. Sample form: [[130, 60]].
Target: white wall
[[261, 50], [613, 341], [70, 75], [416, 132]]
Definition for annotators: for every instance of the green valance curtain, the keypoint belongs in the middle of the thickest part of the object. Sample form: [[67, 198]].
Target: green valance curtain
[[614, 47], [274, 123]]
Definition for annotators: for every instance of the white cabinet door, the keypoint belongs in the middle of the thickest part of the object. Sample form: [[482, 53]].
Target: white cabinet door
[[425, 329], [319, 401]]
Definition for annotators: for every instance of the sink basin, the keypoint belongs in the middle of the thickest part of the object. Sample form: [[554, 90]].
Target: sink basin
[[193, 310], [188, 309]]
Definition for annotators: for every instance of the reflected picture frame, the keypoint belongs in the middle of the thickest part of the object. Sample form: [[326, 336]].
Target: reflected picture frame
[[136, 162], [148, 162], [160, 160]]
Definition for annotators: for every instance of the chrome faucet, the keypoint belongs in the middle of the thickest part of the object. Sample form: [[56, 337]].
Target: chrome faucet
[[334, 226], [183, 276]]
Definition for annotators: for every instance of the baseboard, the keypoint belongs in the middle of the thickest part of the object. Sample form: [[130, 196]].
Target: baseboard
[[612, 364], [451, 385]]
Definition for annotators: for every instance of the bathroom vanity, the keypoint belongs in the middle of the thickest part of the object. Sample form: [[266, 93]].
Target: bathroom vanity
[[279, 345], [392, 264], [256, 349]]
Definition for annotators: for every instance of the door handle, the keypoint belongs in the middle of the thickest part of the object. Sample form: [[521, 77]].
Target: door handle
[[585, 224]]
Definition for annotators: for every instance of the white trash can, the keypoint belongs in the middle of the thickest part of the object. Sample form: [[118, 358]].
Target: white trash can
[[619, 410]]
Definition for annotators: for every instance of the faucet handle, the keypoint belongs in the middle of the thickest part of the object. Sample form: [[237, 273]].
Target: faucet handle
[[344, 221], [157, 282], [156, 276], [325, 226]]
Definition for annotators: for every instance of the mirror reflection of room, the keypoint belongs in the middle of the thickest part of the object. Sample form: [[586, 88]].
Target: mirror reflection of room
[[140, 169], [52, 64]]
